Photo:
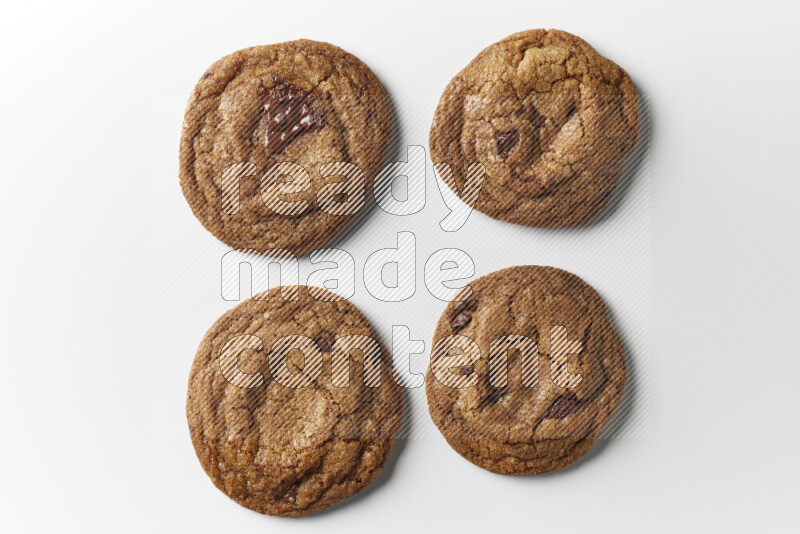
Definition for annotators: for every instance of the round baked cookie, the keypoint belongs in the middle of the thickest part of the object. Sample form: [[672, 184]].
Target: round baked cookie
[[281, 433], [551, 121], [528, 419], [300, 103]]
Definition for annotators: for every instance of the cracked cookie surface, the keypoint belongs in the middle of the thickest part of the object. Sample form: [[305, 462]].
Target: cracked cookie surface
[[551, 121], [523, 425], [283, 450], [304, 102]]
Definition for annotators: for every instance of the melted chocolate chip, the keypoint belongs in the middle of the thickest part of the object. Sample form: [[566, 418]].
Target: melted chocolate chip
[[324, 342], [537, 119], [494, 396], [288, 113], [563, 406], [506, 142], [291, 495]]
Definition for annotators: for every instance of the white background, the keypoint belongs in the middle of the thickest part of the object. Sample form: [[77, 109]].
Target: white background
[[109, 282]]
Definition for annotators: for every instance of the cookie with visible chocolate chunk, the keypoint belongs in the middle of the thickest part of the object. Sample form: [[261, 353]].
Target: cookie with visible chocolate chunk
[[303, 103], [526, 371], [551, 121], [292, 404]]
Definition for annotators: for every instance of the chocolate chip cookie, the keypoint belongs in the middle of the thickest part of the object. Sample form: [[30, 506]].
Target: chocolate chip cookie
[[292, 404], [551, 121], [526, 370], [281, 145]]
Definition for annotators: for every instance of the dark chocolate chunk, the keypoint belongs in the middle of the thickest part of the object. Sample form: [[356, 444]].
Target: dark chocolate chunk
[[462, 313], [537, 119], [494, 396], [571, 111], [563, 406], [289, 113], [291, 495], [464, 370], [506, 142], [461, 321], [324, 342]]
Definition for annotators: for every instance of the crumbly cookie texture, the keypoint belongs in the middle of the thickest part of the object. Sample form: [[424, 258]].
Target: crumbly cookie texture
[[289, 451], [551, 121], [305, 102], [523, 428]]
